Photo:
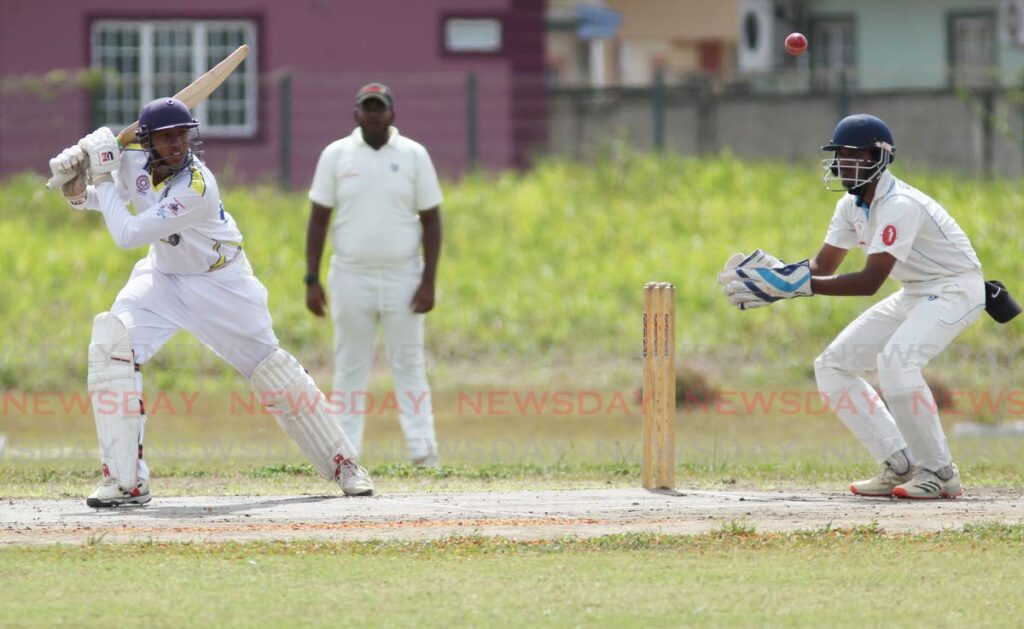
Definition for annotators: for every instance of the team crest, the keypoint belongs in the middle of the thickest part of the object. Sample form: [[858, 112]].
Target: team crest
[[889, 235], [142, 183]]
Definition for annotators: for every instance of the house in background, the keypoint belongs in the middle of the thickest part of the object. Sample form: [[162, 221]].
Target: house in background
[[880, 45], [680, 38], [467, 76], [872, 45]]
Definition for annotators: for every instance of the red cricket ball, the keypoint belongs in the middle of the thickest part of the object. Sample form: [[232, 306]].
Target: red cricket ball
[[796, 44]]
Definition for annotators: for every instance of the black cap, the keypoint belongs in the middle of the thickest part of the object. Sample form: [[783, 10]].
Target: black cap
[[375, 90]]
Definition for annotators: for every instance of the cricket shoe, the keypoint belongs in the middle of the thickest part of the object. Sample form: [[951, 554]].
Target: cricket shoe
[[354, 480], [110, 494], [926, 485], [881, 485]]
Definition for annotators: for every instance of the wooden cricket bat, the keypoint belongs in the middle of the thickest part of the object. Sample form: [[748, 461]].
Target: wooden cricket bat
[[195, 93]]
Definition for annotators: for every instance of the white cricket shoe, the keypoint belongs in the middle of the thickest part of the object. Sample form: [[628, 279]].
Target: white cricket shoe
[[110, 494], [354, 480], [881, 485], [926, 485]]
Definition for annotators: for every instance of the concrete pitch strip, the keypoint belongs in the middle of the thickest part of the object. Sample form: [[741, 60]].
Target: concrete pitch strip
[[526, 515]]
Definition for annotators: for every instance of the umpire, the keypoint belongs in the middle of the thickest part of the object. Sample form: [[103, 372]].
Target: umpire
[[386, 199]]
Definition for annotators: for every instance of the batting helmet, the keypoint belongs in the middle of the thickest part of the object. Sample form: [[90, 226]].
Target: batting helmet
[[164, 113], [859, 131]]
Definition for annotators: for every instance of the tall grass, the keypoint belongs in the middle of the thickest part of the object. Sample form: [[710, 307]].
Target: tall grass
[[541, 265]]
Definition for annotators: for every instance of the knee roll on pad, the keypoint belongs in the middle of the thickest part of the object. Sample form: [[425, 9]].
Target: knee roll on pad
[[299, 407], [116, 400]]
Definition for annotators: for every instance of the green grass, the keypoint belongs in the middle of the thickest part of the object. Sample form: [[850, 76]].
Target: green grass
[[47, 481], [733, 576], [539, 267]]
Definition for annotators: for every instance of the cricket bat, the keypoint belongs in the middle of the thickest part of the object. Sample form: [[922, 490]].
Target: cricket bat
[[195, 93]]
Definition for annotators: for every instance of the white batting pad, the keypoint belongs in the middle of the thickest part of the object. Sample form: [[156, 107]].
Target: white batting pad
[[299, 407], [116, 400]]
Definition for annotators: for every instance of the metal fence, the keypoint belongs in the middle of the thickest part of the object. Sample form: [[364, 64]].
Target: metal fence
[[498, 121]]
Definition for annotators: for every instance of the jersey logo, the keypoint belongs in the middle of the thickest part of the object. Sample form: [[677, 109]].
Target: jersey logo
[[889, 235], [173, 240], [142, 183]]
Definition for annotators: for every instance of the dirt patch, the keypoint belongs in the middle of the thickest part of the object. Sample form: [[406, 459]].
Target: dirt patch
[[518, 515]]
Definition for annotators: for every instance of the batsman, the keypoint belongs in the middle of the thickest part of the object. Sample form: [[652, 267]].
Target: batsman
[[908, 236], [196, 278]]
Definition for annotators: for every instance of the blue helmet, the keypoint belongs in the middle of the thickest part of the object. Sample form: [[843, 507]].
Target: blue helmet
[[858, 131], [164, 113]]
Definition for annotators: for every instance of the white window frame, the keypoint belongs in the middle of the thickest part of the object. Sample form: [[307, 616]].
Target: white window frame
[[199, 28], [474, 28]]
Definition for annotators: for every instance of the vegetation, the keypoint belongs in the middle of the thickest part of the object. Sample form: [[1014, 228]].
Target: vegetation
[[734, 576], [540, 266]]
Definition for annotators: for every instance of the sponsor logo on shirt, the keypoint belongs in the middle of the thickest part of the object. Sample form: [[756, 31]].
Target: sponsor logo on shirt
[[142, 183], [889, 235], [173, 240], [174, 206]]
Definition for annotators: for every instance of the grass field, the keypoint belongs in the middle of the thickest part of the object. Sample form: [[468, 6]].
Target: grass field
[[540, 291], [538, 268], [732, 577]]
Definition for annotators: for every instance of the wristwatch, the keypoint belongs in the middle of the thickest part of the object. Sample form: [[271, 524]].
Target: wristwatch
[[311, 279]]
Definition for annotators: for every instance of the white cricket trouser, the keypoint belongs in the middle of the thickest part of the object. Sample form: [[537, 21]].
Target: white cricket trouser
[[225, 309], [899, 336], [358, 300]]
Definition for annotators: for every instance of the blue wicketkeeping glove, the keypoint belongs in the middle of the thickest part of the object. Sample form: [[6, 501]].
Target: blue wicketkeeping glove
[[751, 286]]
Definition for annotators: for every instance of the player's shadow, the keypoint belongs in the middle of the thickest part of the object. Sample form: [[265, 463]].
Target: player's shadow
[[205, 512], [666, 491]]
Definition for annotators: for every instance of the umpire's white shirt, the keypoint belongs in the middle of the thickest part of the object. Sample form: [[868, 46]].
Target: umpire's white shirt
[[377, 196], [911, 226]]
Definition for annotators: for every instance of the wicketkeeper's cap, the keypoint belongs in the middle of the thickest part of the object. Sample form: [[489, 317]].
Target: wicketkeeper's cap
[[375, 90]]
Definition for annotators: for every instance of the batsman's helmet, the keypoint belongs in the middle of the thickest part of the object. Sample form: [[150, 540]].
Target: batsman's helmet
[[164, 113], [858, 131]]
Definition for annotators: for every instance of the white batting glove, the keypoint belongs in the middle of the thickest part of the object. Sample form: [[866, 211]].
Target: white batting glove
[[104, 154], [66, 163], [74, 191], [70, 167]]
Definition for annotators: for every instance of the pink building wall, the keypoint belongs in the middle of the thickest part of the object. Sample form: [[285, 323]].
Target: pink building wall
[[329, 47]]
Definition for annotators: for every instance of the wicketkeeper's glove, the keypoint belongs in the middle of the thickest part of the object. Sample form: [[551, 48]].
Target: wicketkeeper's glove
[[755, 286]]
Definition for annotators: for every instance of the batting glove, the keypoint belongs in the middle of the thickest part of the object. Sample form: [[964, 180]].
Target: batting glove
[[104, 154], [71, 166]]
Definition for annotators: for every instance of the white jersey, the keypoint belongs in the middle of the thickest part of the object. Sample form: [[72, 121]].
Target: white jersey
[[377, 196], [182, 219], [908, 224]]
